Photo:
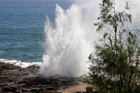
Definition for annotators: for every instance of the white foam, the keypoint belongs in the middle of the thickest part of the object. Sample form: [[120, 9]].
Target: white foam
[[20, 63], [69, 44]]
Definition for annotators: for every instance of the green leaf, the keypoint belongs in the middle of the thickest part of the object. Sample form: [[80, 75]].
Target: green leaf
[[130, 18], [96, 24], [105, 35], [100, 26]]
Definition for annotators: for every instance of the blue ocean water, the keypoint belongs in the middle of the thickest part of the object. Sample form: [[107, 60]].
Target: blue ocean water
[[21, 28]]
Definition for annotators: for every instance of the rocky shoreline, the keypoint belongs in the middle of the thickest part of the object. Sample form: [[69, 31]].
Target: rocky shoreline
[[14, 79]]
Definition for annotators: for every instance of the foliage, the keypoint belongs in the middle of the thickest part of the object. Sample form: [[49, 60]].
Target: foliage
[[89, 89], [115, 64]]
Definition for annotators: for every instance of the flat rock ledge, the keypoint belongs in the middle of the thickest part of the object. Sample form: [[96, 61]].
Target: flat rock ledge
[[14, 79]]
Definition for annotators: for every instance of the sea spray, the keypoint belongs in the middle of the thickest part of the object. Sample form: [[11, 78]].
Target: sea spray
[[69, 44], [71, 41]]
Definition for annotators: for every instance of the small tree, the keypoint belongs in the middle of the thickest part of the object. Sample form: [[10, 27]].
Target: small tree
[[115, 64]]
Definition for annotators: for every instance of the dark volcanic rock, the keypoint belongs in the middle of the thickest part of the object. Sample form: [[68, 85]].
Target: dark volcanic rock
[[14, 79], [9, 89]]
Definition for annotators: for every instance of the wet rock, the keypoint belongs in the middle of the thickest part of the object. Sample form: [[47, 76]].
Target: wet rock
[[1, 85], [36, 90], [22, 82], [51, 88], [9, 89], [26, 90], [14, 79]]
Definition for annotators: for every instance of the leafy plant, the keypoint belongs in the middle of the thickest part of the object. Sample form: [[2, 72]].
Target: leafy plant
[[115, 64]]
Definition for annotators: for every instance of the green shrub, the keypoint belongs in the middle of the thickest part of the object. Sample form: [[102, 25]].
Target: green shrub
[[115, 64]]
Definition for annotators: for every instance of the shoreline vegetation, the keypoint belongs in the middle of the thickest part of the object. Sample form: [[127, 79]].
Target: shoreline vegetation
[[14, 79], [115, 63]]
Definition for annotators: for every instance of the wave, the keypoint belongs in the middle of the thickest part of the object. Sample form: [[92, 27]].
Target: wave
[[22, 64]]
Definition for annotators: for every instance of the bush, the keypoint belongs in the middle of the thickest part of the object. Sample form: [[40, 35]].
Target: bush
[[115, 64]]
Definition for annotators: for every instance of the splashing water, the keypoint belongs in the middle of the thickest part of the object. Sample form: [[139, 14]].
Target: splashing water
[[69, 44]]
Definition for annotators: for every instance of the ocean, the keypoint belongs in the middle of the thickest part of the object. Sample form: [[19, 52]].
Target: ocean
[[22, 28]]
